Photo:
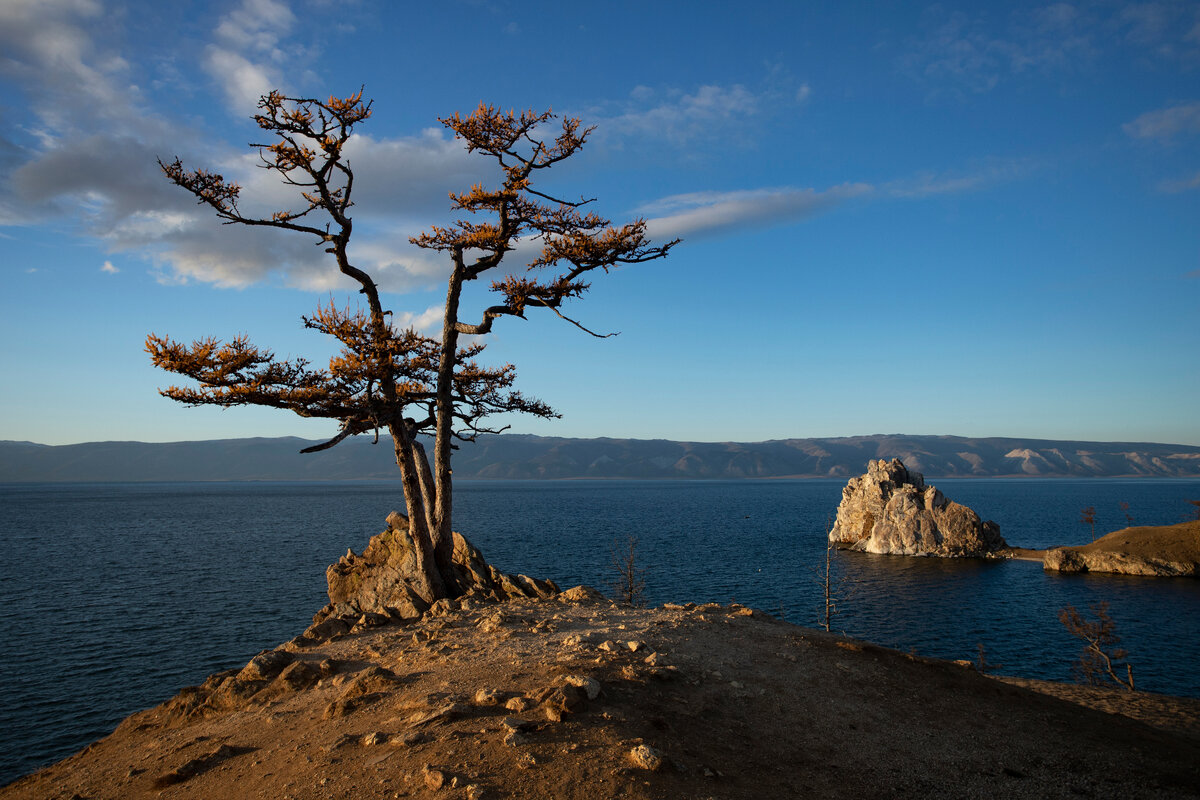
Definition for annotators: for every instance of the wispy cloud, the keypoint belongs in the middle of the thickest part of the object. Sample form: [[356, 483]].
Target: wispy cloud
[[975, 52], [927, 184], [705, 113], [701, 214], [1181, 185], [109, 268], [678, 116], [705, 213], [1165, 123]]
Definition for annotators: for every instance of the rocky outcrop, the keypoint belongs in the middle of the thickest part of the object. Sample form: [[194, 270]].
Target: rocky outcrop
[[381, 579], [891, 511], [1167, 551]]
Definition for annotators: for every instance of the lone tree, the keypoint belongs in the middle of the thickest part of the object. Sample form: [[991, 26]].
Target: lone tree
[[1102, 656], [406, 383]]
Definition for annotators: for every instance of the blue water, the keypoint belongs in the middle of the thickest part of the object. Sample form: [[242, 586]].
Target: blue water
[[112, 597]]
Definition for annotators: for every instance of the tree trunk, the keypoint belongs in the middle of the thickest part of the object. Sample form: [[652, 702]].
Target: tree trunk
[[443, 546], [443, 538], [428, 581]]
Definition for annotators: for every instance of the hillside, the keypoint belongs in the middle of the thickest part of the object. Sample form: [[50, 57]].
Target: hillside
[[573, 697], [526, 457]]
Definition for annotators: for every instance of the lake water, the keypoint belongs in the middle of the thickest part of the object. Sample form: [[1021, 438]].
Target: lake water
[[114, 596]]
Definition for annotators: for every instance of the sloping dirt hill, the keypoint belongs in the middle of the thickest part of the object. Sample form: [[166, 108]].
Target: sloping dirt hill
[[577, 698]]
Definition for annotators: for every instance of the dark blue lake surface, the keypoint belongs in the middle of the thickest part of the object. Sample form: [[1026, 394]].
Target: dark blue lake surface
[[113, 597]]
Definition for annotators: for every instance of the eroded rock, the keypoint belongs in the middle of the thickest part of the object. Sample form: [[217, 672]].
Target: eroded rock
[[891, 511], [384, 580]]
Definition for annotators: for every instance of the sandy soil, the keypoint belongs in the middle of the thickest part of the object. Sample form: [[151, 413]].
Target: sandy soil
[[560, 699]]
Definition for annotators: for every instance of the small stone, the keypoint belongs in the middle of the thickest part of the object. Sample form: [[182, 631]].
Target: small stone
[[574, 640], [646, 757], [487, 697], [375, 738], [554, 714], [607, 646], [654, 659], [434, 778], [590, 686], [515, 723], [519, 704], [634, 646], [515, 739]]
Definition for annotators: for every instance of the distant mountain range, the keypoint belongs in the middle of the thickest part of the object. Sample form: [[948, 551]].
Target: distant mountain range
[[524, 457]]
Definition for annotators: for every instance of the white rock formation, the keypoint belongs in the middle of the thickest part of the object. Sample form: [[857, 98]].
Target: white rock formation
[[891, 511]]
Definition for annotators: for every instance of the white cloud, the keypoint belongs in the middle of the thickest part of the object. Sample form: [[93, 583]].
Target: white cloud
[[109, 268], [248, 56], [428, 321], [700, 213], [91, 159], [1166, 122], [243, 81], [256, 25]]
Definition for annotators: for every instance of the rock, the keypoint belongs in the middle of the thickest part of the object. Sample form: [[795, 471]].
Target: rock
[[384, 580], [515, 724], [891, 511], [568, 698], [488, 697], [445, 713], [519, 704], [646, 757], [434, 778], [265, 666], [590, 686], [581, 594]]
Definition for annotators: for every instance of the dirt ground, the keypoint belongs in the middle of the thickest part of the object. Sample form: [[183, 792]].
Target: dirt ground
[[577, 698]]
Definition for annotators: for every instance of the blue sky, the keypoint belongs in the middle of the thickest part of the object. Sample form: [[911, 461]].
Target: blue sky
[[897, 218]]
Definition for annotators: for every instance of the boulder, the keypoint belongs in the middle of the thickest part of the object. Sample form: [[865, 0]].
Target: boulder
[[382, 579], [891, 511]]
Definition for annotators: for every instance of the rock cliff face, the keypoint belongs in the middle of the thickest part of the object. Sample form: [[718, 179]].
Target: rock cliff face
[[891, 511], [379, 580], [1167, 551]]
